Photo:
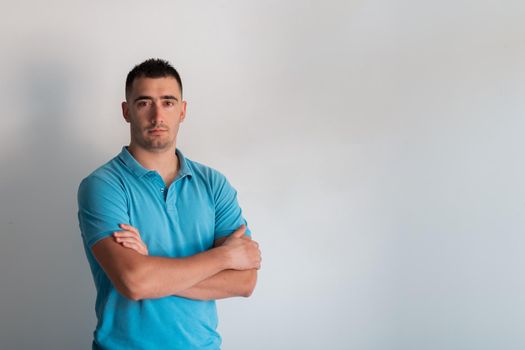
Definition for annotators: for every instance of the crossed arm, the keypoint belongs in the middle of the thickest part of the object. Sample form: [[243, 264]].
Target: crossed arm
[[225, 284], [229, 269]]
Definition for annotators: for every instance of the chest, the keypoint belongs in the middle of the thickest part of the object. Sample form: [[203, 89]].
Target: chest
[[174, 221]]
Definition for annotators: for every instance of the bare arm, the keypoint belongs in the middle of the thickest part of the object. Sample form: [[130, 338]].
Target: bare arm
[[227, 283], [139, 276]]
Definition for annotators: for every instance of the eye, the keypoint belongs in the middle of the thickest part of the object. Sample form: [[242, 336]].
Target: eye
[[169, 103], [142, 103]]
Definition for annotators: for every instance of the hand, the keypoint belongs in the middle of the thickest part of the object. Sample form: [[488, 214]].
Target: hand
[[129, 237], [243, 252]]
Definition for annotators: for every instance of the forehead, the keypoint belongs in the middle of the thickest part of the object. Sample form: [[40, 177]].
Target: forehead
[[155, 87]]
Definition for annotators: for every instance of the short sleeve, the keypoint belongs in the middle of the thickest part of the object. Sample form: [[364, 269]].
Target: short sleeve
[[102, 206], [228, 213]]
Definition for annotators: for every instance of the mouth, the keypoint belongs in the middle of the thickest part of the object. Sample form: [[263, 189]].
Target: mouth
[[156, 131]]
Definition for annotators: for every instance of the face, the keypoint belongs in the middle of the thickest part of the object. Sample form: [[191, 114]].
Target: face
[[154, 109]]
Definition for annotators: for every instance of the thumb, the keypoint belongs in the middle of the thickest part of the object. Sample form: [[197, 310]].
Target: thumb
[[239, 232]]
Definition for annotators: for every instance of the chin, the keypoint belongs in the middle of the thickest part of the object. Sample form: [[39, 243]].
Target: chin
[[157, 146]]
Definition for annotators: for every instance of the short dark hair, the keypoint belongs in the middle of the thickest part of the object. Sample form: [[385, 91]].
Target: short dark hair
[[152, 68]]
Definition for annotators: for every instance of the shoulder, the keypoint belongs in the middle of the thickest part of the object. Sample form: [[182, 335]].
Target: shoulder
[[107, 178], [213, 180], [202, 172]]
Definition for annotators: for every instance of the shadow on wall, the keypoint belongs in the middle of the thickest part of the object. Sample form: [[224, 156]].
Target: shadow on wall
[[42, 264]]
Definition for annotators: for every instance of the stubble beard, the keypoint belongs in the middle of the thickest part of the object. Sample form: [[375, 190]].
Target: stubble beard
[[155, 143]]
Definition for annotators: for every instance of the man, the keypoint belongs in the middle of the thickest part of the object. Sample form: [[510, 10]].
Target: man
[[164, 236]]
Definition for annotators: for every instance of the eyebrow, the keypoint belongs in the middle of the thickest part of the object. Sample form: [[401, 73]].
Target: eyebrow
[[164, 97]]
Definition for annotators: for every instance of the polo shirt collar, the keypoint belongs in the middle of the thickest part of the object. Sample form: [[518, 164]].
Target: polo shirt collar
[[132, 163], [184, 168], [139, 170]]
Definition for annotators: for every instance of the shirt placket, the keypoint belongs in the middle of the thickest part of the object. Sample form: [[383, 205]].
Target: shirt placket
[[159, 185]]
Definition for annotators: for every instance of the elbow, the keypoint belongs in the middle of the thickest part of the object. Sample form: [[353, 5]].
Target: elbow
[[132, 294], [249, 284], [132, 286], [247, 293]]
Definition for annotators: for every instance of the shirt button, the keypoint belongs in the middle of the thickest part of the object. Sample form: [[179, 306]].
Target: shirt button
[[162, 190]]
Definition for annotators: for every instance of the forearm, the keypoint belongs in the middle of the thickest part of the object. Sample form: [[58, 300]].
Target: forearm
[[161, 277], [225, 284], [142, 277], [139, 276]]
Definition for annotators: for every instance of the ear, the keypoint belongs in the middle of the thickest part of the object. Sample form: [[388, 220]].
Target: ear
[[183, 111], [125, 111]]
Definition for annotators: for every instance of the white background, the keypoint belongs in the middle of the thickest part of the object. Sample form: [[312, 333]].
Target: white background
[[376, 147]]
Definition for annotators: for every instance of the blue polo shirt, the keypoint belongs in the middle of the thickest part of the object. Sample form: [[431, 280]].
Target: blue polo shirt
[[176, 221]]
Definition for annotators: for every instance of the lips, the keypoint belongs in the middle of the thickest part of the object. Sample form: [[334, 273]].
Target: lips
[[156, 130]]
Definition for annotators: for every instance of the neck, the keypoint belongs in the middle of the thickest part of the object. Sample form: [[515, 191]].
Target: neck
[[165, 162]]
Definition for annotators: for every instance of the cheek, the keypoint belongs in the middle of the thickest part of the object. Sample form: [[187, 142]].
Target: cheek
[[136, 127]]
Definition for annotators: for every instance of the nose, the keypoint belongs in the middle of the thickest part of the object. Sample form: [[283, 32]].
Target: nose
[[157, 116]]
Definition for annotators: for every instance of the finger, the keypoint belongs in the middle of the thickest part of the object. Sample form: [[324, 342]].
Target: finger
[[125, 234], [128, 239], [133, 240], [130, 228], [133, 246], [137, 246], [240, 231]]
